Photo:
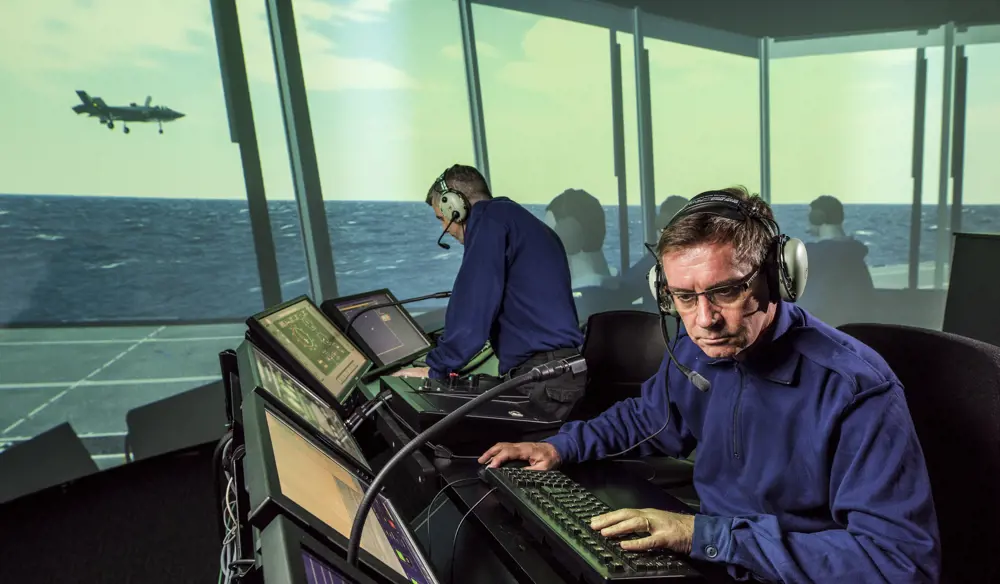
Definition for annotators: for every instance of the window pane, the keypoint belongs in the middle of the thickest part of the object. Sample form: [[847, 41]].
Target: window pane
[[842, 125], [100, 226], [389, 111], [547, 104], [981, 195], [706, 119]]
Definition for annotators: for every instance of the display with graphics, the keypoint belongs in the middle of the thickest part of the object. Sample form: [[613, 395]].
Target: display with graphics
[[327, 490], [316, 344], [305, 405], [319, 572], [388, 332]]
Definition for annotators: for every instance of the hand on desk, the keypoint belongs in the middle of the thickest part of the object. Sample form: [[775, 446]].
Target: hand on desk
[[666, 530], [413, 372], [540, 455]]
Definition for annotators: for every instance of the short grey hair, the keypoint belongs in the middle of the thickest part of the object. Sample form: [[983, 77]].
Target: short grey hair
[[464, 179], [750, 238]]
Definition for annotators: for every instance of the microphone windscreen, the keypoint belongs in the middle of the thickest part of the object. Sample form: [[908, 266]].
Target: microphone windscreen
[[699, 381]]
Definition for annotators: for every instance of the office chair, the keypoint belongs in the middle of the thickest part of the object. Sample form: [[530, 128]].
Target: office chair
[[952, 387], [624, 348]]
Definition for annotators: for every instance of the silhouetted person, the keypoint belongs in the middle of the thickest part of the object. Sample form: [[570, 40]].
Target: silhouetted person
[[633, 283], [578, 218], [840, 286]]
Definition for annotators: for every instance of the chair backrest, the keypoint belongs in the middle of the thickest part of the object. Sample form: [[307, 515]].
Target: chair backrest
[[952, 387], [623, 348]]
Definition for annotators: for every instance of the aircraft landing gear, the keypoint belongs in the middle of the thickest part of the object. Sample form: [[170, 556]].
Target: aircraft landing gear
[[111, 125], [125, 129], [160, 124]]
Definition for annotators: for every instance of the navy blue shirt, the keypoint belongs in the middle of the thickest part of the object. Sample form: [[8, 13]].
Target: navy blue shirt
[[512, 289], [808, 467]]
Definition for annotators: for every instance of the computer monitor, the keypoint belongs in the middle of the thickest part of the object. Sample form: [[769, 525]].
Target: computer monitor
[[312, 347], [259, 373], [289, 555], [969, 307], [289, 474], [389, 336]]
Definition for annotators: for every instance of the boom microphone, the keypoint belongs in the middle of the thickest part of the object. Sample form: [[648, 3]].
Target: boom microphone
[[575, 365], [696, 379], [443, 233], [350, 322]]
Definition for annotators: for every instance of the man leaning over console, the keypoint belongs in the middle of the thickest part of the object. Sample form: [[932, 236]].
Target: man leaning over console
[[513, 289], [808, 468]]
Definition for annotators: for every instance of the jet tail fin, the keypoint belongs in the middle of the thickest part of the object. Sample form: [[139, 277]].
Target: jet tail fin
[[87, 100], [149, 100]]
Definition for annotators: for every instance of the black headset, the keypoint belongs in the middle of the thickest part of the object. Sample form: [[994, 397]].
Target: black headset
[[786, 264], [454, 204]]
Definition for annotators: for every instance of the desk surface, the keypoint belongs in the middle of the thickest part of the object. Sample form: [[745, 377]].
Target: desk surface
[[620, 485]]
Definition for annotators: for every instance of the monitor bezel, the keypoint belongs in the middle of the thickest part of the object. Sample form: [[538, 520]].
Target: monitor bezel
[[267, 342], [267, 500], [251, 384], [329, 308], [280, 545]]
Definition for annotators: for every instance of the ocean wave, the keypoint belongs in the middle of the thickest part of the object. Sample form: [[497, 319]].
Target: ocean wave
[[47, 237], [295, 281]]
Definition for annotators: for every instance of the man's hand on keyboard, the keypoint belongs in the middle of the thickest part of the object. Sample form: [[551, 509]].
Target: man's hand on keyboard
[[666, 530], [540, 455], [412, 372]]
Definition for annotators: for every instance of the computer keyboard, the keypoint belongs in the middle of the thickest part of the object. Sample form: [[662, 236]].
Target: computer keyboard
[[562, 509]]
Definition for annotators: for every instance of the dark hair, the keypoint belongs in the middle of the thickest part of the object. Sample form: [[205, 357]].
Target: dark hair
[[826, 209], [750, 238], [587, 210], [464, 179], [668, 208]]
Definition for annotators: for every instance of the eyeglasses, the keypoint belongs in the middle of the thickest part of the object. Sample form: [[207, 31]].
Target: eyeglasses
[[721, 296]]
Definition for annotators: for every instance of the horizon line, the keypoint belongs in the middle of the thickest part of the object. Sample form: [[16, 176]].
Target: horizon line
[[638, 205]]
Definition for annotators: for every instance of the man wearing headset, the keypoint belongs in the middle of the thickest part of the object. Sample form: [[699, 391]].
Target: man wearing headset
[[513, 289], [809, 468]]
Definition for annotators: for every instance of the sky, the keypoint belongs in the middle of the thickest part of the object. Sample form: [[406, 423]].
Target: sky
[[388, 105]]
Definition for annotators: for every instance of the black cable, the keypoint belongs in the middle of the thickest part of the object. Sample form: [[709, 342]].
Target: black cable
[[431, 510], [454, 540]]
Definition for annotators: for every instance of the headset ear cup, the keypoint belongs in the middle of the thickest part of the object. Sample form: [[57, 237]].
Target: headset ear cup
[[656, 285], [792, 268], [454, 207]]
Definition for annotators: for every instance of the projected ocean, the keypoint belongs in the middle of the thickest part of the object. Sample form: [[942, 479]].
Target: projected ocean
[[74, 259]]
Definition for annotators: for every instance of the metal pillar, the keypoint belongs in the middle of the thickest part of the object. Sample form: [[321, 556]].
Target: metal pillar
[[474, 90], [302, 150], [242, 131]]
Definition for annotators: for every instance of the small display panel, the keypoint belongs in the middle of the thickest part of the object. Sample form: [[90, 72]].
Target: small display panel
[[312, 340], [320, 572], [389, 331], [305, 405], [324, 488]]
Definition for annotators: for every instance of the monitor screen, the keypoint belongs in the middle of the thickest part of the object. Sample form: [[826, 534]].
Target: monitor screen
[[312, 340], [324, 488], [971, 287], [320, 572], [305, 405], [389, 332]]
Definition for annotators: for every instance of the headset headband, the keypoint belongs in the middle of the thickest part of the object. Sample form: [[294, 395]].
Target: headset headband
[[723, 204]]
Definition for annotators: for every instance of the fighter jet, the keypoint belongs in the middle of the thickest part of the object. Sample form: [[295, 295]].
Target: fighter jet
[[107, 114]]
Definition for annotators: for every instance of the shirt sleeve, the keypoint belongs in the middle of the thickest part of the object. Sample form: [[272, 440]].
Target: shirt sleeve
[[635, 422], [475, 299], [880, 495]]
